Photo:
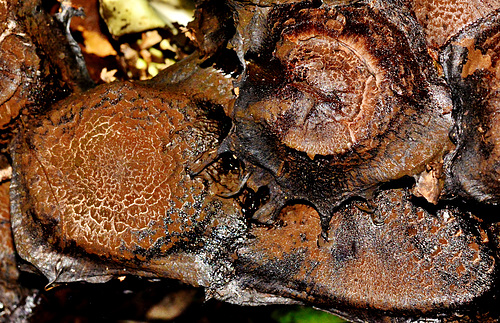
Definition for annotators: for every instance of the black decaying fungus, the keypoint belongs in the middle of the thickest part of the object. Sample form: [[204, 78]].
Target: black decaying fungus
[[472, 66]]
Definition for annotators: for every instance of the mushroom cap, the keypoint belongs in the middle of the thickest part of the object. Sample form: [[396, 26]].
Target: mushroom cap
[[107, 171], [337, 101]]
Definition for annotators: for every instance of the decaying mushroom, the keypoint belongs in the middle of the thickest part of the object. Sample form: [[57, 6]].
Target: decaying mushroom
[[295, 114], [407, 265], [472, 67], [336, 102], [31, 77], [117, 172]]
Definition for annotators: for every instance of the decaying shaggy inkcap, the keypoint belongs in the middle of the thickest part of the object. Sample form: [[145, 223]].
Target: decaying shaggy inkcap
[[337, 101]]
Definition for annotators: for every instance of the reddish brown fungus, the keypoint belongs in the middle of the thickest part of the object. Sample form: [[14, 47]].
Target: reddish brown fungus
[[331, 117], [112, 178]]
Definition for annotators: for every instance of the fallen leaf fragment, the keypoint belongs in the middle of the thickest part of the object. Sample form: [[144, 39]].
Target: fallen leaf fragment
[[108, 76], [95, 43], [125, 17]]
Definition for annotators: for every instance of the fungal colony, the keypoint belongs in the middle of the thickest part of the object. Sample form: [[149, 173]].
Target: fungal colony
[[339, 154]]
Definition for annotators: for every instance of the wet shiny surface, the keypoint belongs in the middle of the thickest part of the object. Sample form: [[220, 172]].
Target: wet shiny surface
[[312, 153]]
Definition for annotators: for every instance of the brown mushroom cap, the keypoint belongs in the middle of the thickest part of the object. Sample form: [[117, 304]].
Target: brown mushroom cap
[[337, 101], [107, 171], [348, 77], [334, 91]]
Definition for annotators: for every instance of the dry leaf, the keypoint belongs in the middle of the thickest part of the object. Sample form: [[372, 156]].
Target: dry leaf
[[108, 76], [95, 43]]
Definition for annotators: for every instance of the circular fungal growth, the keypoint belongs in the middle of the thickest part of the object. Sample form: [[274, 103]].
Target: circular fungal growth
[[331, 87], [108, 172], [344, 100]]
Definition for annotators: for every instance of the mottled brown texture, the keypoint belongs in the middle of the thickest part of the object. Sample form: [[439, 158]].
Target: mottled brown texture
[[411, 262], [326, 107], [333, 105], [112, 178], [443, 19], [339, 112], [190, 137], [18, 66], [37, 64]]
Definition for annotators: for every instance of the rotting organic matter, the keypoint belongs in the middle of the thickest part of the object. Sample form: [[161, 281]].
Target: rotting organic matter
[[321, 100], [113, 179], [100, 163], [472, 66], [295, 113], [439, 261]]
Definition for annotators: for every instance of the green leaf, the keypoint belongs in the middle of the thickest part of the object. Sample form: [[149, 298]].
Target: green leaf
[[304, 315]]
